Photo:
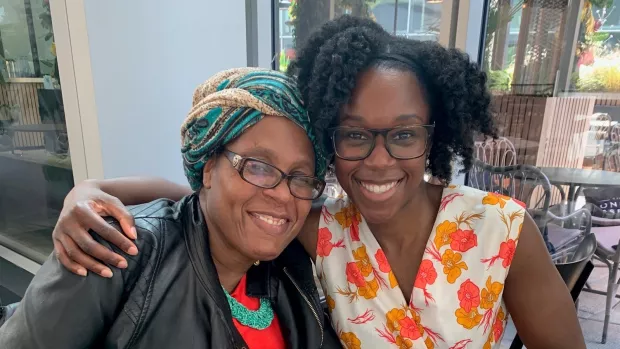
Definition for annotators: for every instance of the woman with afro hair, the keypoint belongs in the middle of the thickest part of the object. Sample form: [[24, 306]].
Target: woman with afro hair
[[402, 262]]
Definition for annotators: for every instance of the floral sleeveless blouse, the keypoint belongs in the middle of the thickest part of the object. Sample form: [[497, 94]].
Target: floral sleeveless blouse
[[457, 296]]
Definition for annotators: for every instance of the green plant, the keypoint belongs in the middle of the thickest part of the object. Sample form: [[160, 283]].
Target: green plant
[[284, 61], [499, 80]]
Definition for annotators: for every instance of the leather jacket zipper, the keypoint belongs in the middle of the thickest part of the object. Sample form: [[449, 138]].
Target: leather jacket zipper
[[303, 295]]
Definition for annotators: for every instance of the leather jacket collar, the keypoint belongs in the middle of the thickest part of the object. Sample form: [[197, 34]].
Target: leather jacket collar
[[261, 281]]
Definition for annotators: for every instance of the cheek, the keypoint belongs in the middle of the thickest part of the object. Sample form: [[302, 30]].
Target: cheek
[[343, 170], [230, 194], [415, 168]]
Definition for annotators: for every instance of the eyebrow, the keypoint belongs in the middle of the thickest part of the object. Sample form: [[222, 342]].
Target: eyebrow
[[400, 118], [270, 156]]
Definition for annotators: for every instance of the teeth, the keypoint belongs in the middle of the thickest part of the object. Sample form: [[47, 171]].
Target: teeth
[[378, 189], [269, 219]]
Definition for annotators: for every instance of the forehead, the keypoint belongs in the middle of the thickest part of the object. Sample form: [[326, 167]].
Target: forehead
[[278, 140], [383, 97]]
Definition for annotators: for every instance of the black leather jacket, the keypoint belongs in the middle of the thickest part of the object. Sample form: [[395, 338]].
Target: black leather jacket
[[168, 297]]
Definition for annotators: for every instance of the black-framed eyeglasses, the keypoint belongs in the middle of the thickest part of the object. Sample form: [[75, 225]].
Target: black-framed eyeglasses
[[265, 175], [403, 143]]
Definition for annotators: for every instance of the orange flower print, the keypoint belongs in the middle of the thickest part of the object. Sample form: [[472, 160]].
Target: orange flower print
[[349, 217], [426, 274], [490, 294], [429, 343], [487, 344], [507, 252], [403, 343], [468, 319], [393, 318], [369, 291], [500, 314], [350, 340], [469, 296], [354, 275], [410, 329], [444, 230], [331, 303], [363, 262], [498, 329], [384, 266], [323, 247], [325, 234], [463, 240], [495, 199], [452, 265]]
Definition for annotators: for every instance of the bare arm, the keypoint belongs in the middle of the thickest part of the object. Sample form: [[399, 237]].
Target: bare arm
[[537, 297], [139, 190], [83, 210]]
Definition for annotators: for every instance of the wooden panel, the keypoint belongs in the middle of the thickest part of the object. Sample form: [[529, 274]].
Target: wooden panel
[[546, 131], [25, 96], [519, 118], [566, 125]]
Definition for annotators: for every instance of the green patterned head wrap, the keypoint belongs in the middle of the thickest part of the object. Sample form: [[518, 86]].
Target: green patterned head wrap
[[228, 104]]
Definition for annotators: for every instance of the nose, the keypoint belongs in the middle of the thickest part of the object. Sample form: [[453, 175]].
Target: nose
[[379, 157], [280, 193]]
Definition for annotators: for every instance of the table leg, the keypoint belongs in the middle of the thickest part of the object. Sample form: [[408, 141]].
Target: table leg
[[571, 198]]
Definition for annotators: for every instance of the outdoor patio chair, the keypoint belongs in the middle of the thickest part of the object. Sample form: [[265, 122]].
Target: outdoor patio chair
[[529, 185], [496, 152], [607, 232], [575, 268]]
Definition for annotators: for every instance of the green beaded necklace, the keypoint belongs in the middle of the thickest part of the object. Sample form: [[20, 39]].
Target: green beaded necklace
[[258, 319]]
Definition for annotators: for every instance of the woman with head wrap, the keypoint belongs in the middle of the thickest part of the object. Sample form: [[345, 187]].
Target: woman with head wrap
[[216, 269]]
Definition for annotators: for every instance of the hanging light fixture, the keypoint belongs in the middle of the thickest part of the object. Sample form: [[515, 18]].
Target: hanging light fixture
[[434, 1]]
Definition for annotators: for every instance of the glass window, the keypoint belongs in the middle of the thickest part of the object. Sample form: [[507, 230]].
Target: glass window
[[414, 19], [35, 164], [554, 74]]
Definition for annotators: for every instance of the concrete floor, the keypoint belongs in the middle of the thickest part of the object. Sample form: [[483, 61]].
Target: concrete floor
[[591, 315]]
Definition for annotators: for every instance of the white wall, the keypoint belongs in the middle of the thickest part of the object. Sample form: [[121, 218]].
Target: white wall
[[146, 59]]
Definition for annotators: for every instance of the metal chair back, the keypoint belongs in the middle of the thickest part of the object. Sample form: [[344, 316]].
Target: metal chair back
[[496, 152], [522, 182]]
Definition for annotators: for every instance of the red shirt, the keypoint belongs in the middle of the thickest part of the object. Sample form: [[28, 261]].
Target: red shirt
[[269, 338]]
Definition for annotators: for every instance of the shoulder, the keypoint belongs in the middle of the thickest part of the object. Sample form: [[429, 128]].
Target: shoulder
[[473, 197], [495, 218], [154, 219], [158, 227]]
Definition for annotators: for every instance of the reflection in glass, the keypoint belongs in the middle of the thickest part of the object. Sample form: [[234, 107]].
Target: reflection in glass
[[554, 74], [414, 19], [35, 164]]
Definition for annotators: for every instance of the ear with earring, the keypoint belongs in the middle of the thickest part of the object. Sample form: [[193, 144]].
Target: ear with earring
[[256, 263]]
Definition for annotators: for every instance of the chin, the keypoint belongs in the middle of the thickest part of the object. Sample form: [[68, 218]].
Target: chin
[[267, 253]]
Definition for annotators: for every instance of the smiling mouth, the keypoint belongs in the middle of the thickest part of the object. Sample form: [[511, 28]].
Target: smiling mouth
[[275, 221], [379, 188]]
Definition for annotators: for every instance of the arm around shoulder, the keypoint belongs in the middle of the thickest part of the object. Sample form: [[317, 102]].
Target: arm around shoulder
[[64, 310]]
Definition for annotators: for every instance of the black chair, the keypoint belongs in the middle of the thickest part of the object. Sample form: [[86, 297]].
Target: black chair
[[575, 267], [529, 185]]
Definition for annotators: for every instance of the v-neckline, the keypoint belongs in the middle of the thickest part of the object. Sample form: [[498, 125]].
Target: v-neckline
[[364, 229]]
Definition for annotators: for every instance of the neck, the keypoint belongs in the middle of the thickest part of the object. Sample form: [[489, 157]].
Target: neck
[[413, 223], [229, 263]]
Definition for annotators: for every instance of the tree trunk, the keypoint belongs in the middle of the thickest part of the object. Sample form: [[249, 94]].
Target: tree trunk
[[311, 14]]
